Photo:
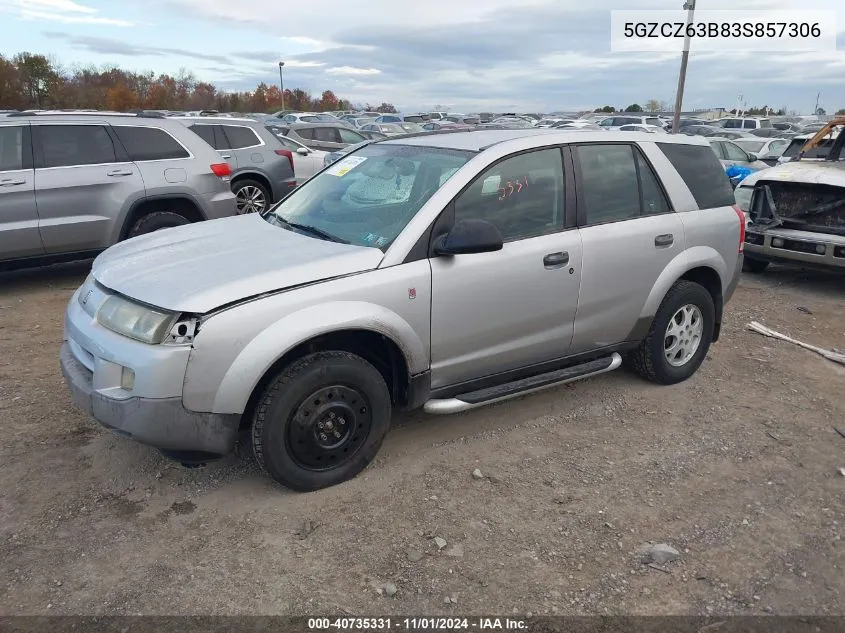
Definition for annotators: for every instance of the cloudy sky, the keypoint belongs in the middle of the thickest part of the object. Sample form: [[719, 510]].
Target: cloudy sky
[[468, 55]]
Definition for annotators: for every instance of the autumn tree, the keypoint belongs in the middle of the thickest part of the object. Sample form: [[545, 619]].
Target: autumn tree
[[387, 108], [328, 101], [120, 98], [36, 79]]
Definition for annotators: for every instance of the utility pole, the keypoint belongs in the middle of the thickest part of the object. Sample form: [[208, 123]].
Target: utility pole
[[282, 83], [689, 5], [816, 109]]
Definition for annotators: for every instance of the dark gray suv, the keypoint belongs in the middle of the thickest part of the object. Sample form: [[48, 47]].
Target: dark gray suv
[[73, 184], [324, 136], [262, 168]]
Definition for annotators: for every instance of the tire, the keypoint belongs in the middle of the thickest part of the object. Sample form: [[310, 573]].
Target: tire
[[321, 420], [755, 266], [650, 358], [251, 196], [155, 222]]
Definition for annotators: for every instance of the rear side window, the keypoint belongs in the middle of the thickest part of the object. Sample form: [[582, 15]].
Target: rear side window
[[702, 172], [206, 133], [11, 148], [654, 121], [765, 123], [307, 132], [618, 184], [240, 136], [732, 123], [147, 143], [326, 134], [69, 145], [749, 124]]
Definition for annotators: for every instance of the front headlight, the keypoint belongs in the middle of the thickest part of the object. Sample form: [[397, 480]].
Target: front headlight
[[135, 321]]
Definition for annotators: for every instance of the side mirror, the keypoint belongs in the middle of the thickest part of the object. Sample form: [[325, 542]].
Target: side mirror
[[303, 151], [467, 237], [752, 157]]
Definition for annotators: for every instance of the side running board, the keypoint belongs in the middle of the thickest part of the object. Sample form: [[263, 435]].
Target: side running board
[[482, 397]]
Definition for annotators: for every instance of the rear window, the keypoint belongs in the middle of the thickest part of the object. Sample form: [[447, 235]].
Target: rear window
[[414, 118], [147, 143], [654, 121], [702, 172]]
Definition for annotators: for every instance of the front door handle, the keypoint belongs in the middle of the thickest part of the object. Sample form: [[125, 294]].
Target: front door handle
[[120, 172], [226, 156], [662, 241], [10, 182], [556, 260]]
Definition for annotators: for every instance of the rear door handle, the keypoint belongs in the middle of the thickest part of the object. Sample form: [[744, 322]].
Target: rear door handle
[[662, 241], [225, 156], [10, 182], [120, 172], [556, 260]]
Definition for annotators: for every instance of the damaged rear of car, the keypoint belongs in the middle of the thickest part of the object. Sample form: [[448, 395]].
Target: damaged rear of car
[[796, 211]]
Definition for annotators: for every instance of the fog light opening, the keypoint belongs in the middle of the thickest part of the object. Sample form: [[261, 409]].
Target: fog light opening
[[127, 379], [777, 242], [820, 249]]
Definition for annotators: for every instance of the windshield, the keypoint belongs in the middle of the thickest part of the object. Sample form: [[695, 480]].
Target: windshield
[[751, 146], [817, 152], [368, 197]]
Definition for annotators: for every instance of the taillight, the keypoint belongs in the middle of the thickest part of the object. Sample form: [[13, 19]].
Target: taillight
[[288, 154], [221, 170], [741, 227]]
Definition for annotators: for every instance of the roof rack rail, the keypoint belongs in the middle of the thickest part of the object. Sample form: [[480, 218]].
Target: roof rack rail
[[70, 113]]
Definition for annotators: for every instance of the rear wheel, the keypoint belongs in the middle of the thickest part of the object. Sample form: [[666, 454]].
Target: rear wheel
[[679, 337], [156, 221], [251, 196], [321, 420], [750, 265]]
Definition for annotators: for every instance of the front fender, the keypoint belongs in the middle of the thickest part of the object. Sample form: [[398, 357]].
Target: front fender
[[694, 257], [275, 341]]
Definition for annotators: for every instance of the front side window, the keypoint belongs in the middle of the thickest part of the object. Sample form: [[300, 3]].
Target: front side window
[[240, 136], [306, 133], [69, 145], [348, 136], [11, 148], [734, 152], [368, 197], [147, 143], [522, 195]]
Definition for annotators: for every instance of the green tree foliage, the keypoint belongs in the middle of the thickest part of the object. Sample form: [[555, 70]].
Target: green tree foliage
[[634, 107]]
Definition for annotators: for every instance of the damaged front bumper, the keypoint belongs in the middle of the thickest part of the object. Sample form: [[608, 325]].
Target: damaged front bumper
[[797, 222], [790, 245]]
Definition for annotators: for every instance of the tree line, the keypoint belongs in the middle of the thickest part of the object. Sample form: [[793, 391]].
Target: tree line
[[31, 81]]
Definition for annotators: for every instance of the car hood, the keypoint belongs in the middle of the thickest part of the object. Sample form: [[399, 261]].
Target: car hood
[[199, 267], [810, 172]]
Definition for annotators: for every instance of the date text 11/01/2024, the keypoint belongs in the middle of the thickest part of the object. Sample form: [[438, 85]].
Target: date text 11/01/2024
[[416, 624]]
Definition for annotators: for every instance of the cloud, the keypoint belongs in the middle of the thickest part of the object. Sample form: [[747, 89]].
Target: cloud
[[110, 46], [351, 70], [62, 11]]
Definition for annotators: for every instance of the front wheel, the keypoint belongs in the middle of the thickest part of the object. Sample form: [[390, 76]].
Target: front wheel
[[321, 420], [679, 337]]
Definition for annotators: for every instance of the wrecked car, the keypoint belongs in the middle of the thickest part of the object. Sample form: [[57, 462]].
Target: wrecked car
[[796, 211]]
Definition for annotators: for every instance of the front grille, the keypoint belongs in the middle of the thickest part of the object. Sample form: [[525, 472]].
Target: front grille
[[754, 238], [811, 248]]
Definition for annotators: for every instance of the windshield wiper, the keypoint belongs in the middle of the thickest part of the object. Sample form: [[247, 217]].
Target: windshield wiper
[[313, 230]]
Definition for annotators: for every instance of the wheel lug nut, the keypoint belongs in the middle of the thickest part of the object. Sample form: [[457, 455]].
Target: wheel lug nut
[[337, 435], [323, 437], [342, 421]]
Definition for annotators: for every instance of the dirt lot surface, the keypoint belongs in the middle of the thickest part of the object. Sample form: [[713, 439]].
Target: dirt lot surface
[[737, 469]]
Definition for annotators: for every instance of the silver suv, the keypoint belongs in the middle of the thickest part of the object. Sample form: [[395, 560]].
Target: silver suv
[[262, 168], [73, 184], [438, 271]]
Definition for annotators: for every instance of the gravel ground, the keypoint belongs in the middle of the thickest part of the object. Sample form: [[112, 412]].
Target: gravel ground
[[737, 469]]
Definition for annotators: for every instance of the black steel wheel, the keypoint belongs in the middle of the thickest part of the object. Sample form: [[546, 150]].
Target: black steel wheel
[[321, 420]]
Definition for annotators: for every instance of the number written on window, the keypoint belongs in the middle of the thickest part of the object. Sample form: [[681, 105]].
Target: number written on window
[[512, 187]]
